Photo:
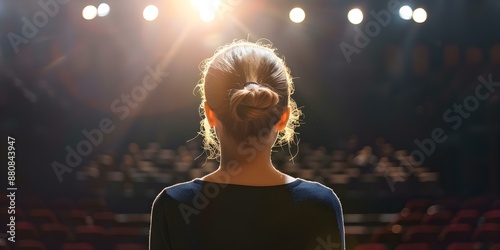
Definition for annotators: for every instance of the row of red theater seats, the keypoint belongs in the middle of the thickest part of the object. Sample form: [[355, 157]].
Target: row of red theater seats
[[441, 218], [62, 233], [38, 245], [488, 232], [75, 217], [446, 211], [57, 203], [453, 204], [426, 246], [442, 224]]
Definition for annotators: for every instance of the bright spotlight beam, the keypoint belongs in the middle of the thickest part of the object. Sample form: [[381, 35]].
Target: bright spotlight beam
[[419, 15], [103, 9], [355, 16], [150, 13], [207, 9], [297, 15], [405, 12], [89, 12]]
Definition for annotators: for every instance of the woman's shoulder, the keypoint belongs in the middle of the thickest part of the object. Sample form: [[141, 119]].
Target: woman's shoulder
[[316, 192], [314, 187], [180, 192]]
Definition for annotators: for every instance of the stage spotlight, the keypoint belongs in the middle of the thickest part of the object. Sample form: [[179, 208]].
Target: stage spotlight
[[207, 9], [405, 12], [297, 15], [89, 12], [355, 16], [419, 15], [103, 9], [150, 13]]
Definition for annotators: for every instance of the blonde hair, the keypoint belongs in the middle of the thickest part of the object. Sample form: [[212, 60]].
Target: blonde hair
[[248, 87]]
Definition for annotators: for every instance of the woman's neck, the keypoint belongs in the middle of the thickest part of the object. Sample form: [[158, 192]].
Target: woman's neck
[[247, 163]]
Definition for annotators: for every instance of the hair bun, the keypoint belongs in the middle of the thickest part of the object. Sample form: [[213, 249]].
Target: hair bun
[[252, 102]]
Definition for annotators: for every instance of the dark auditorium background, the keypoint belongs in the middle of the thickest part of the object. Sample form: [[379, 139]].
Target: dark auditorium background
[[99, 112]]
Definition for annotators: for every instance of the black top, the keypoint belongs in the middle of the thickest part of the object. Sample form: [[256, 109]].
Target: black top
[[207, 215]]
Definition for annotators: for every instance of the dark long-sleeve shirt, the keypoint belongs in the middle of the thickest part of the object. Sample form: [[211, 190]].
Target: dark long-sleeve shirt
[[207, 215]]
